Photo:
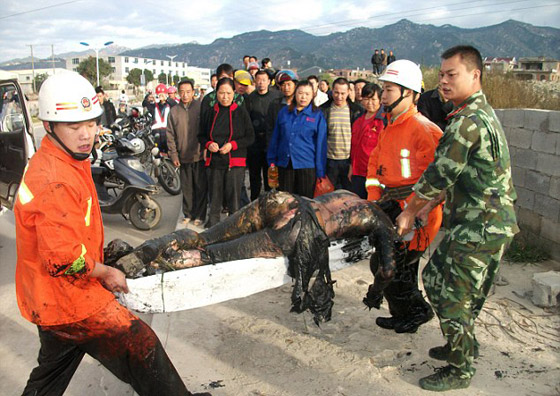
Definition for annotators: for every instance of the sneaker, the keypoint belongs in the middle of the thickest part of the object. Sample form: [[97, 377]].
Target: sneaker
[[386, 323], [444, 379], [442, 352]]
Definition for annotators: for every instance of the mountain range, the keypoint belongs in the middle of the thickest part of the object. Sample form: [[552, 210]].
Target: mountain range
[[421, 43]]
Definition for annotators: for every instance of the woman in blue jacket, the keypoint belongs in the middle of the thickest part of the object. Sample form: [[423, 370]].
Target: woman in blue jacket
[[298, 146]]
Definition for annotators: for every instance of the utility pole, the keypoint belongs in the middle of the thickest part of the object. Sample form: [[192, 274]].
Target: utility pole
[[52, 57], [32, 66], [171, 57]]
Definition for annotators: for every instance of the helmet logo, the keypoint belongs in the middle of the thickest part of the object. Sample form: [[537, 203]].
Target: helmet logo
[[393, 72], [86, 104]]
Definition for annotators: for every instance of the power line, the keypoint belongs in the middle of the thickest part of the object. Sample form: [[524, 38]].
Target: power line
[[39, 9]]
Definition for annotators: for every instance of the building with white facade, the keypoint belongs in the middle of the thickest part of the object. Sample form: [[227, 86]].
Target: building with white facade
[[122, 65]]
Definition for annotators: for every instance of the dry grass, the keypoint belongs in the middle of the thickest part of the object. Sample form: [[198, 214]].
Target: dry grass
[[505, 92]]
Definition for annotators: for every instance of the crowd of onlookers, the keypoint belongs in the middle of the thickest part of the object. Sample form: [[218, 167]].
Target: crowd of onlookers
[[310, 130]]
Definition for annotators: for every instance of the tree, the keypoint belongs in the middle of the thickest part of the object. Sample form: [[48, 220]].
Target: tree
[[162, 78], [149, 75], [176, 79], [87, 68], [39, 79], [134, 77]]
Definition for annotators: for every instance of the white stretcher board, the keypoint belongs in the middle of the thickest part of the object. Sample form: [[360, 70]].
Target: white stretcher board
[[211, 284]]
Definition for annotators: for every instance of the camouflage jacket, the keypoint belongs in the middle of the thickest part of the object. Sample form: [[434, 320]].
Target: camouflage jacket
[[472, 163]]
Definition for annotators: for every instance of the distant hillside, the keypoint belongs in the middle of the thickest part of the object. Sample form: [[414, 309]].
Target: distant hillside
[[351, 49]]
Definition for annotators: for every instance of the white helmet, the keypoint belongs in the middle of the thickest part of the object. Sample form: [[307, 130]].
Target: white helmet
[[404, 73], [68, 97], [138, 144]]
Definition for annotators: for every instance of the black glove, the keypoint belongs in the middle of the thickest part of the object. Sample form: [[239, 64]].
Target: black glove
[[373, 299]]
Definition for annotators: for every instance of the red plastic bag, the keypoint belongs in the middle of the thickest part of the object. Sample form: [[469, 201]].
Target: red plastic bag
[[323, 185]]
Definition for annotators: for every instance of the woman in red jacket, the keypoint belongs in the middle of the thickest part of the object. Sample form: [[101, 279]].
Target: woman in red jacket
[[365, 133], [226, 133]]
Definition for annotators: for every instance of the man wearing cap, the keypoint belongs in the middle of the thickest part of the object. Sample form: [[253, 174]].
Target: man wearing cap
[[159, 111], [253, 68], [172, 97], [340, 113], [62, 285], [405, 148], [472, 170], [243, 83]]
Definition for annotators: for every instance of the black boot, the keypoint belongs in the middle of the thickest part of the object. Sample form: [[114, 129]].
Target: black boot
[[386, 323]]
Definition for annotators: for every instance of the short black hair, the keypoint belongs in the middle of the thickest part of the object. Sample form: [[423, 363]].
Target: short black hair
[[262, 72], [370, 89], [340, 81], [264, 62], [246, 56], [183, 82], [326, 82], [313, 77], [224, 68], [469, 55], [213, 75], [99, 90], [225, 81], [361, 80]]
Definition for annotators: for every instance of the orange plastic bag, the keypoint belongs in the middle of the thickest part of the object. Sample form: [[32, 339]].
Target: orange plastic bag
[[323, 185]]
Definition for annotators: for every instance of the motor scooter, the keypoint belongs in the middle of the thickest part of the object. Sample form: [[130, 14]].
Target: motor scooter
[[124, 187]]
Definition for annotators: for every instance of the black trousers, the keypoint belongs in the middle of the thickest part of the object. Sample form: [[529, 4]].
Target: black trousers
[[297, 181], [123, 343], [225, 187], [337, 171], [194, 185], [258, 168], [358, 186]]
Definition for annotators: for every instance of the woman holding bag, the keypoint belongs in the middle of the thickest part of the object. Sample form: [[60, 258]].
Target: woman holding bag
[[298, 146]]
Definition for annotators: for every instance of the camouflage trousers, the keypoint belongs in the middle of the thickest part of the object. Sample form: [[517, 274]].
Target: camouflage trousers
[[457, 280]]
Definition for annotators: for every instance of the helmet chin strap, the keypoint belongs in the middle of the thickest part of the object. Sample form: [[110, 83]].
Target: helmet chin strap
[[391, 107], [76, 156]]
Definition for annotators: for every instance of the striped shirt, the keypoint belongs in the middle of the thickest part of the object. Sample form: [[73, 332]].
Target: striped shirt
[[339, 137]]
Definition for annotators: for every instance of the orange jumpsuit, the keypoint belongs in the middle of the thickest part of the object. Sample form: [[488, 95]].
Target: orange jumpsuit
[[59, 234], [405, 148]]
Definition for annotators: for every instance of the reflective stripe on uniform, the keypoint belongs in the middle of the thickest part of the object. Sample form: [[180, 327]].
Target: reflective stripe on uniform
[[88, 212], [24, 193], [79, 264], [405, 164], [373, 183]]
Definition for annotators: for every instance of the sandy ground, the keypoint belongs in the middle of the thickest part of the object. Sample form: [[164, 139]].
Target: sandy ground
[[255, 346]]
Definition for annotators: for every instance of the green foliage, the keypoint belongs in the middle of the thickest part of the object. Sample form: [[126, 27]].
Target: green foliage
[[135, 76], [162, 78], [87, 68], [176, 79], [522, 250], [39, 79]]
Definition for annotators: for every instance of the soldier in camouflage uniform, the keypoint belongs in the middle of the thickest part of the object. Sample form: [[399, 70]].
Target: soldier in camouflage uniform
[[472, 169]]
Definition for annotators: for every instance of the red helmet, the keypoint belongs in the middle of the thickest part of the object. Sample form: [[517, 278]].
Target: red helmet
[[171, 90], [161, 89]]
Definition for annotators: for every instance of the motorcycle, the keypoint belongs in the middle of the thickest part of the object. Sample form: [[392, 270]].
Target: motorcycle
[[156, 163], [123, 186]]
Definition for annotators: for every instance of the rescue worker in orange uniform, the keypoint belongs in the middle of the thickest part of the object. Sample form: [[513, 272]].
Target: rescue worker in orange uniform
[[62, 284], [406, 146]]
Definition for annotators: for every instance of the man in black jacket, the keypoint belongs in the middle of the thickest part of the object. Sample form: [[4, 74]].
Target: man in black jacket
[[109, 113], [340, 113], [434, 107], [258, 104], [376, 61]]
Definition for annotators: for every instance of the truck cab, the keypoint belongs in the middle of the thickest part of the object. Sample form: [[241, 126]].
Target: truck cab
[[17, 144]]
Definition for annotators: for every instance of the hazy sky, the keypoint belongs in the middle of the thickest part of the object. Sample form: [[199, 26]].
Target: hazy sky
[[134, 24]]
